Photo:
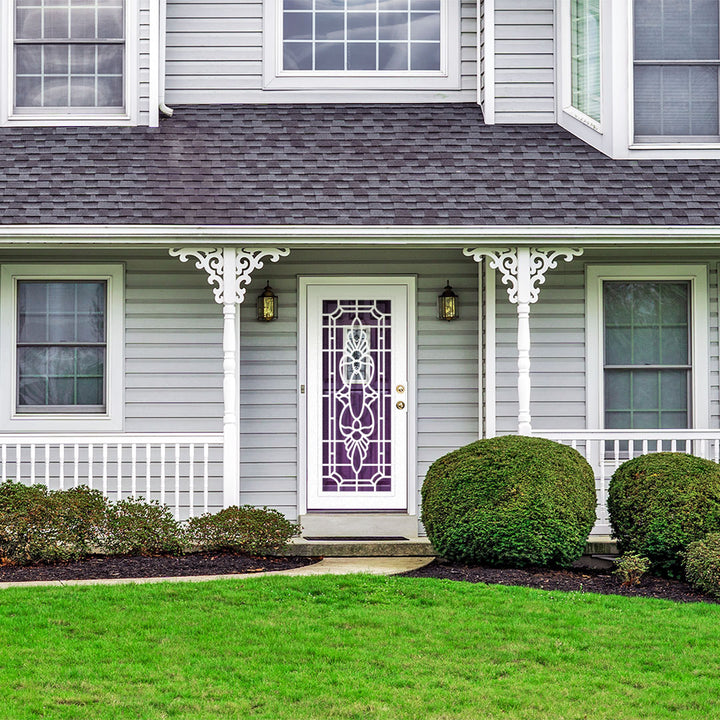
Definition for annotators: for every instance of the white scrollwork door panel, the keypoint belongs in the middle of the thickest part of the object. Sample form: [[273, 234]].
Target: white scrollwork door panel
[[357, 399]]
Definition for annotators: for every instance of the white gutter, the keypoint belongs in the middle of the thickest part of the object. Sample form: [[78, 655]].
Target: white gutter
[[620, 236]]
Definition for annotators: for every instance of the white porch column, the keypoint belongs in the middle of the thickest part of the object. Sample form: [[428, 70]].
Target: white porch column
[[523, 271], [230, 269]]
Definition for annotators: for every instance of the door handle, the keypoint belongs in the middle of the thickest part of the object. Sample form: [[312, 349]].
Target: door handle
[[400, 405]]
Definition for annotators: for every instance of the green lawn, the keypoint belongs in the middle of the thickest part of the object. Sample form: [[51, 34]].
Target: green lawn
[[352, 647]]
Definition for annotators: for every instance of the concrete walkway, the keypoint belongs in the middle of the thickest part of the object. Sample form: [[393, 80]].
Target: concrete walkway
[[327, 566]]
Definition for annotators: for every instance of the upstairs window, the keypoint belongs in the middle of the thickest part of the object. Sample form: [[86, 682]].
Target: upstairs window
[[585, 57], [362, 44], [69, 56], [676, 61]]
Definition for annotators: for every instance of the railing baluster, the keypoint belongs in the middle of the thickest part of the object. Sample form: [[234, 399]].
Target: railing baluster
[[76, 471], [206, 475], [91, 458], [119, 465], [717, 450], [47, 465], [18, 463], [4, 462], [32, 463], [133, 469], [61, 461], [177, 481], [148, 473], [162, 473], [673, 445], [191, 479], [104, 468]]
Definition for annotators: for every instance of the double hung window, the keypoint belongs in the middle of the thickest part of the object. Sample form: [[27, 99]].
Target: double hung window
[[61, 340], [362, 44], [676, 63], [647, 346], [69, 56]]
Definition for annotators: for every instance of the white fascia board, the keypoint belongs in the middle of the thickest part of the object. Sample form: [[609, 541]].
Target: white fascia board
[[587, 236]]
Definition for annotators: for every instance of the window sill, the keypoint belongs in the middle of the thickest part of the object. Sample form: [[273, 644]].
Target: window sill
[[362, 81], [69, 120]]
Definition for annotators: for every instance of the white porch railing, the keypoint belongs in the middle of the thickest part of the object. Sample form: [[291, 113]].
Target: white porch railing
[[183, 471], [606, 450]]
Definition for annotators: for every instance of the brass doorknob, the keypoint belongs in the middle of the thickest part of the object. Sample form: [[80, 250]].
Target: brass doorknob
[[400, 405], [400, 388]]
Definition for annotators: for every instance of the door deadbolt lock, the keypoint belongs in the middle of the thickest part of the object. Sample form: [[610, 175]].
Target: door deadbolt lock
[[400, 388], [400, 405]]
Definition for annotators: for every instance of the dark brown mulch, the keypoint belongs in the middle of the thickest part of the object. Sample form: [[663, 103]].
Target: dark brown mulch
[[580, 580], [96, 567]]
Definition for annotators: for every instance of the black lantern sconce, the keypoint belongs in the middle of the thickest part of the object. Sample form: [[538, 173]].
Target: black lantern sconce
[[267, 305], [448, 304]]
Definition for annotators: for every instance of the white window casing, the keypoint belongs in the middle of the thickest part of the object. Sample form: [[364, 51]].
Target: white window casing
[[12, 418], [276, 77], [697, 277], [68, 116]]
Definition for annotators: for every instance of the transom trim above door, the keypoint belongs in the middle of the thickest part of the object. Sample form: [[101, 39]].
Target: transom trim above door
[[357, 341]]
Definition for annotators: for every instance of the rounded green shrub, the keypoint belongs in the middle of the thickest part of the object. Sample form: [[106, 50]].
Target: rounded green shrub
[[138, 527], [244, 529], [37, 525], [510, 500], [660, 503], [701, 561]]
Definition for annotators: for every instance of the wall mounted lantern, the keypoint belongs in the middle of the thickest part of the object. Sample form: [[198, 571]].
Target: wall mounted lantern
[[448, 304], [267, 305]]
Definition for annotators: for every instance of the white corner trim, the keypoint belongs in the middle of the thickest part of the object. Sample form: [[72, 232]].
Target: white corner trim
[[697, 275], [487, 61], [113, 418]]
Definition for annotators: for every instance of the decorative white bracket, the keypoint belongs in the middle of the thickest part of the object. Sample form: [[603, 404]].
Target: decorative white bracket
[[230, 270], [523, 270]]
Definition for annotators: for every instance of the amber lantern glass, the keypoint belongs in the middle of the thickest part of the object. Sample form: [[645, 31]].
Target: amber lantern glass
[[267, 305], [448, 305]]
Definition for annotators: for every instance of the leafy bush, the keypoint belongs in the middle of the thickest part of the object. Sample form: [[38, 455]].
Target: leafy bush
[[510, 500], [41, 526], [630, 568], [245, 529], [136, 526], [660, 503], [701, 561]]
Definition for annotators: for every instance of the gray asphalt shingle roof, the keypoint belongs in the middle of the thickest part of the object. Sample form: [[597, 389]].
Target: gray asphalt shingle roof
[[419, 164]]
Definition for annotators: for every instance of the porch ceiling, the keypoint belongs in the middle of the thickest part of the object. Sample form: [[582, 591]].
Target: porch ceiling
[[410, 165]]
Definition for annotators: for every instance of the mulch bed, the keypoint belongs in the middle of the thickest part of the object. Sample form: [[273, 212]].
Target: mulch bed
[[574, 580], [97, 567]]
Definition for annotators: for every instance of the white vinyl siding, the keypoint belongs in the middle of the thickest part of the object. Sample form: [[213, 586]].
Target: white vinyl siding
[[215, 49], [524, 61]]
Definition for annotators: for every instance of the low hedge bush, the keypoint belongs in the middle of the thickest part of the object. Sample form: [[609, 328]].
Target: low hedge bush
[[660, 503], [139, 527], [701, 562], [41, 526], [244, 529], [510, 500]]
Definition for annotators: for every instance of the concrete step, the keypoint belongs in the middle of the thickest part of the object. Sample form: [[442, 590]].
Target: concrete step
[[417, 547]]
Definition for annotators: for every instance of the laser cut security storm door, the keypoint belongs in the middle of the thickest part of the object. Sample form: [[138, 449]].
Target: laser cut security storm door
[[357, 393]]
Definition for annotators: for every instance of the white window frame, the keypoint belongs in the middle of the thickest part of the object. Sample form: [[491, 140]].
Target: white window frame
[[447, 78], [67, 116], [112, 418], [697, 276], [565, 69]]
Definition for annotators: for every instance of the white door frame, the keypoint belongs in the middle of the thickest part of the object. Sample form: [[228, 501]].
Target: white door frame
[[409, 282]]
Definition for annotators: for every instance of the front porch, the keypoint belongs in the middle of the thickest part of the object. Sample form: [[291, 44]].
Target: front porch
[[213, 405]]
